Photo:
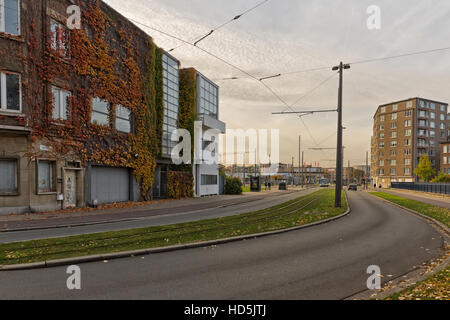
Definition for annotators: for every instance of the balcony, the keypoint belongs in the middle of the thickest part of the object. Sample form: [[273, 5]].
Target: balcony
[[212, 123]]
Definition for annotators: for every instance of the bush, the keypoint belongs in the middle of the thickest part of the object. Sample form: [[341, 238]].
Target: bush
[[180, 185], [233, 186], [441, 178]]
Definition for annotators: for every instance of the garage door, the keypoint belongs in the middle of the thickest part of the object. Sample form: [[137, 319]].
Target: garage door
[[110, 185]]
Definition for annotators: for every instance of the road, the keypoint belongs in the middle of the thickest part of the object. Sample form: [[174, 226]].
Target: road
[[328, 261], [198, 209]]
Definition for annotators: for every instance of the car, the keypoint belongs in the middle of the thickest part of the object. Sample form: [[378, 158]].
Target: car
[[353, 187]]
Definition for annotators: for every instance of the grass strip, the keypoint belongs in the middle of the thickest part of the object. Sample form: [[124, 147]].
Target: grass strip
[[435, 212], [435, 287], [303, 210]]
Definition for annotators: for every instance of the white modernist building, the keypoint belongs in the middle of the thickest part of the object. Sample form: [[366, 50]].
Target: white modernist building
[[206, 174]]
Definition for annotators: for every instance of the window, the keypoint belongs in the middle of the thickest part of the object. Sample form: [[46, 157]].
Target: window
[[60, 103], [395, 107], [393, 144], [422, 103], [394, 125], [381, 135], [432, 124], [432, 134], [423, 114], [432, 115], [8, 172], [100, 112], [408, 162], [408, 152], [393, 152], [46, 176], [381, 145], [209, 101], [10, 16], [209, 180], [10, 92], [445, 160], [433, 106], [422, 133], [394, 116], [407, 171], [442, 126], [393, 162], [407, 142], [409, 104], [381, 163], [422, 142], [393, 172], [442, 117], [408, 113], [408, 123], [393, 135], [422, 123], [445, 149], [59, 37], [408, 133], [382, 127], [171, 103], [382, 118], [123, 119], [443, 108], [383, 110]]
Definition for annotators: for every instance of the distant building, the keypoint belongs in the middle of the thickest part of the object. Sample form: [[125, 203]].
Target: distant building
[[445, 157], [403, 132]]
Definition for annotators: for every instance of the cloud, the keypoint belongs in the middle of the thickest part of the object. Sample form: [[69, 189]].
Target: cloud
[[289, 35]]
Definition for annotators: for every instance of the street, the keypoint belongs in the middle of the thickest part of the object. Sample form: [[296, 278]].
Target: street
[[323, 262], [162, 214]]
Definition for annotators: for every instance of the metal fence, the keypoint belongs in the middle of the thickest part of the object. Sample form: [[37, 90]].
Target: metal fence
[[441, 188]]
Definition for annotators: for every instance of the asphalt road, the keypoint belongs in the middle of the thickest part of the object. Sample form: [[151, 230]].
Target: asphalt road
[[177, 214], [323, 262]]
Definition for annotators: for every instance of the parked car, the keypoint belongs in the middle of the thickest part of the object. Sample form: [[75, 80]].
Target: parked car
[[353, 187]]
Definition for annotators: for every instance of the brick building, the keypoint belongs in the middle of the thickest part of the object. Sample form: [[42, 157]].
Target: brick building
[[85, 114], [403, 132]]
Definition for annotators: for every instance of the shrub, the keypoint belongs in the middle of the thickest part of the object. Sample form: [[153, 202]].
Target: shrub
[[233, 186], [441, 178], [180, 185]]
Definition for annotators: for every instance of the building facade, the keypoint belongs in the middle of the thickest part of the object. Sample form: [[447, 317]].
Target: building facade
[[445, 157], [85, 114], [403, 132], [209, 128]]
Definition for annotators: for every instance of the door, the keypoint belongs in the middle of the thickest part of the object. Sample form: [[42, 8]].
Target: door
[[70, 189], [110, 185]]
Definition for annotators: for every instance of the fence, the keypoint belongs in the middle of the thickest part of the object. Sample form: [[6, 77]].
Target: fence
[[441, 188]]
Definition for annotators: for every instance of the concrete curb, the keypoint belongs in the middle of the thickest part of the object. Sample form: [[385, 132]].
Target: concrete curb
[[142, 252], [442, 227]]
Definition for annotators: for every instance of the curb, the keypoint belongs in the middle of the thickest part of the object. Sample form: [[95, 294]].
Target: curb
[[437, 223], [142, 252]]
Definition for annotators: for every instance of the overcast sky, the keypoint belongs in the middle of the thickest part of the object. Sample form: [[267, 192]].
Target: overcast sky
[[290, 35]]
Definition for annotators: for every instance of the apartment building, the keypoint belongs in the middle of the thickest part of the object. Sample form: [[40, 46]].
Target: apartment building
[[404, 131], [85, 114], [445, 157]]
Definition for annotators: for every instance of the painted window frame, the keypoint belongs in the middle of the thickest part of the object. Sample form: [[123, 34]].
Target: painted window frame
[[108, 113], [3, 92], [67, 111], [52, 178], [130, 118], [16, 191], [59, 46], [3, 18]]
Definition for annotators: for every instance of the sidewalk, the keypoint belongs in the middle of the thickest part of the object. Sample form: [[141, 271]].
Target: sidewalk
[[125, 211]]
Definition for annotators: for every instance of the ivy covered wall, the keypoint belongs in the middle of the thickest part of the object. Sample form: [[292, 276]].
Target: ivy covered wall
[[111, 59]]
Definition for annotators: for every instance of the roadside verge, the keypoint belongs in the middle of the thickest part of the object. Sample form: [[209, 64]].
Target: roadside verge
[[125, 254]]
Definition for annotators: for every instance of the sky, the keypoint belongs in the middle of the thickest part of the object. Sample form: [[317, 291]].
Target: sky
[[291, 35]]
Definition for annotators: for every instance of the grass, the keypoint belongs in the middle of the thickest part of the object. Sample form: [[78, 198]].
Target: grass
[[307, 209], [436, 287], [435, 212], [246, 189]]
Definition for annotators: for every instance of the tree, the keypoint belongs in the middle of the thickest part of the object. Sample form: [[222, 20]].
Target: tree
[[358, 175], [425, 170], [441, 178]]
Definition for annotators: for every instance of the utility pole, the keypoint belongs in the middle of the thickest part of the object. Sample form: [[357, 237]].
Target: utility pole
[[292, 172], [339, 158], [299, 158], [367, 170], [303, 169]]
